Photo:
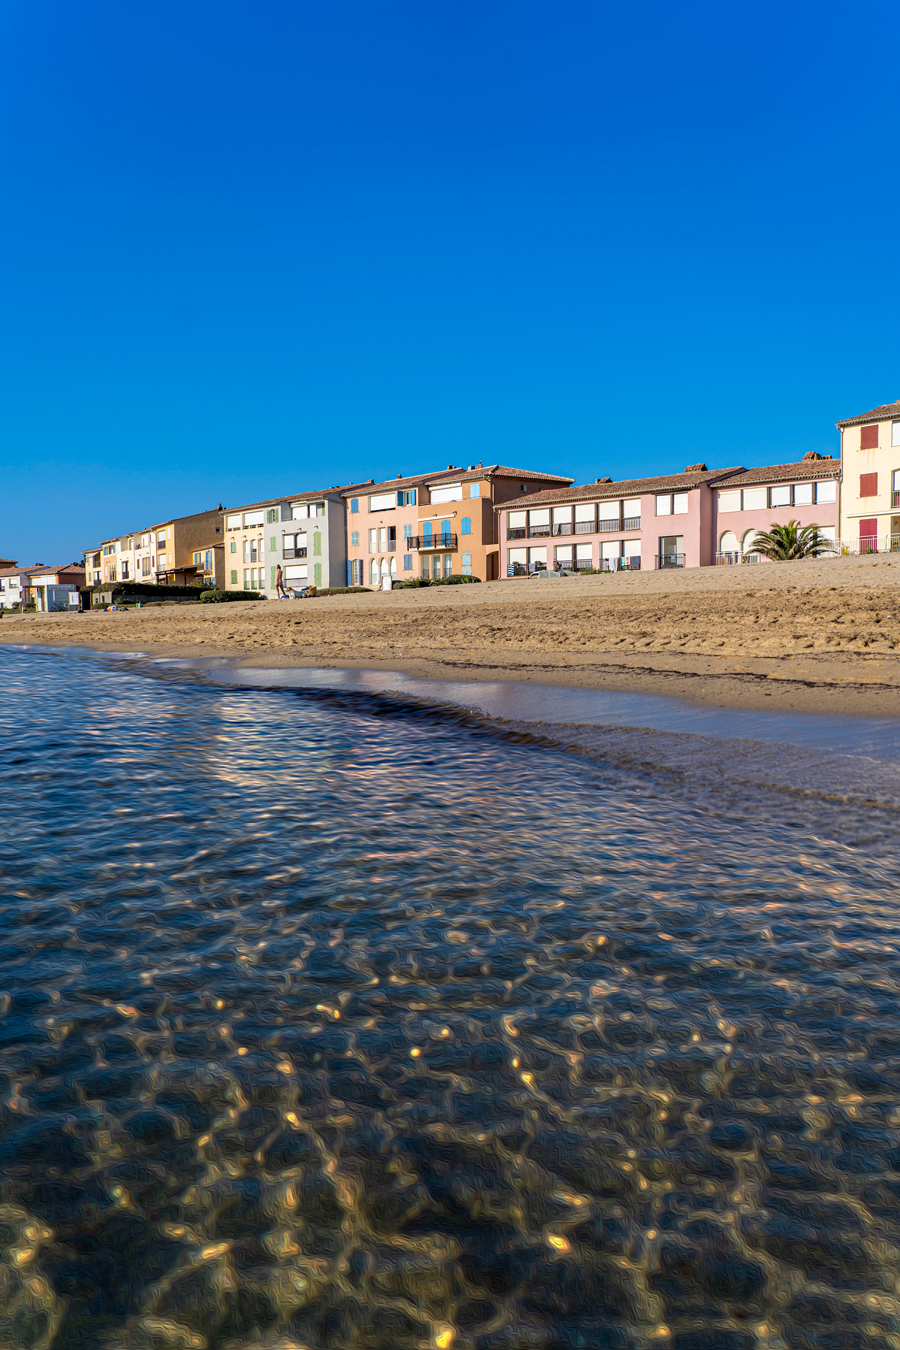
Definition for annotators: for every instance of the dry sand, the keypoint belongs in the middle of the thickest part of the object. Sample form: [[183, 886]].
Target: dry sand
[[817, 636]]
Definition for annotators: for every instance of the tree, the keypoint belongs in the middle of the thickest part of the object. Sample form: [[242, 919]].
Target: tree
[[786, 543]]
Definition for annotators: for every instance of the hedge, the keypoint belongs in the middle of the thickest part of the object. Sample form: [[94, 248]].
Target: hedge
[[216, 597]]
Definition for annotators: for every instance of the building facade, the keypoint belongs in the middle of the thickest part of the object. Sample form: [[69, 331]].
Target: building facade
[[870, 494], [433, 525], [303, 533], [55, 589], [14, 582], [749, 503], [166, 553], [606, 526]]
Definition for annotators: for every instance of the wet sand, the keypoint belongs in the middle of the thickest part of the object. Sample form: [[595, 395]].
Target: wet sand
[[817, 636]]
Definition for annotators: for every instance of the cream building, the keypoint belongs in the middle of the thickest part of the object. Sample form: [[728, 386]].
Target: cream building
[[870, 492]]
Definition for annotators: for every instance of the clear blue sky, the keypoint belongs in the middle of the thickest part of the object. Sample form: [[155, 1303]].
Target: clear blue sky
[[253, 247]]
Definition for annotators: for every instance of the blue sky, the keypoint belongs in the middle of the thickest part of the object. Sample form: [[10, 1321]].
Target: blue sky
[[251, 248]]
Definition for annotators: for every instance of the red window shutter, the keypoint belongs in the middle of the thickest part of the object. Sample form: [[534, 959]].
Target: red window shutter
[[868, 437], [868, 484]]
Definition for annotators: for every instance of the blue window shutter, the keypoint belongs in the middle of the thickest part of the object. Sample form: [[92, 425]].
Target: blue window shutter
[[427, 528], [354, 505], [466, 525]]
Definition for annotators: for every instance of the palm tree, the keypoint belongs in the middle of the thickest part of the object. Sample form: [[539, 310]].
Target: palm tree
[[786, 543]]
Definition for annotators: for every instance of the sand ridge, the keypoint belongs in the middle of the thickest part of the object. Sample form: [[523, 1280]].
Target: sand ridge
[[822, 635]]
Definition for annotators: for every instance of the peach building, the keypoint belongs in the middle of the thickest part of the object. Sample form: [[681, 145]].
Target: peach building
[[870, 496], [435, 524]]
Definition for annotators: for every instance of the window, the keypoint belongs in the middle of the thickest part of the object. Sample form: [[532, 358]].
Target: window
[[407, 532], [803, 494], [449, 492], [465, 525], [317, 574], [406, 498], [373, 571], [272, 515], [664, 505], [354, 505], [407, 562], [895, 433], [373, 540], [198, 559], [728, 501], [234, 546], [232, 522], [124, 569], [384, 501], [474, 490], [826, 492], [868, 437], [515, 524], [780, 496], [286, 512], [354, 538], [296, 572], [145, 567], [382, 540], [562, 520], [246, 578], [300, 511], [317, 545], [145, 541], [160, 539], [585, 522], [254, 518], [868, 484], [754, 500], [273, 544], [467, 564], [680, 503]]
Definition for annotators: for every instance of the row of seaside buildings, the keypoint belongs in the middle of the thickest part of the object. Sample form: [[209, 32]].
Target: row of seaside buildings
[[491, 521]]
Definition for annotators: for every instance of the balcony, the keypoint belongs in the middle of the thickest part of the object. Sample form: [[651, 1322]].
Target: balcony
[[617, 526], [447, 542], [620, 564], [670, 560], [294, 553], [517, 533], [584, 527], [538, 531], [895, 499]]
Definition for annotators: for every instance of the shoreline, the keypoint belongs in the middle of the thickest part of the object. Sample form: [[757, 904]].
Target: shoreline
[[812, 637]]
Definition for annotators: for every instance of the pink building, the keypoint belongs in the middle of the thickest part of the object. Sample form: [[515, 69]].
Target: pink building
[[631, 524], [690, 519], [808, 491]]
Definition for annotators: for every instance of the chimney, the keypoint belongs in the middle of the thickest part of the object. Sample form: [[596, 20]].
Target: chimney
[[696, 468], [811, 454], [602, 480]]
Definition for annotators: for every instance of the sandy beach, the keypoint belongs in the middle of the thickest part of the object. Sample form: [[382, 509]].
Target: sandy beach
[[815, 636]]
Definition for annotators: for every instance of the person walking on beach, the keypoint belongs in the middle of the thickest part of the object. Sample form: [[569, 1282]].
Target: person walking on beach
[[280, 588]]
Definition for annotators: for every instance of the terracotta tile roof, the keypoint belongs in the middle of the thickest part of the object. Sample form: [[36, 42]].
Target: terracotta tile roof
[[458, 474], [626, 487], [39, 570], [879, 414], [823, 466], [13, 571], [298, 497]]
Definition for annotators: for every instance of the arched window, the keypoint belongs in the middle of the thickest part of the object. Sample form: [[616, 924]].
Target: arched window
[[729, 543], [373, 572], [466, 525], [385, 568], [749, 540], [394, 568]]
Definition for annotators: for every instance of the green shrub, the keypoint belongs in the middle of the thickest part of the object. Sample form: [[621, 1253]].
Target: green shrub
[[457, 579], [346, 590], [216, 597]]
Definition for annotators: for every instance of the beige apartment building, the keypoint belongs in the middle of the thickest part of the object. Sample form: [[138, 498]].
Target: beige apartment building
[[870, 492], [174, 552]]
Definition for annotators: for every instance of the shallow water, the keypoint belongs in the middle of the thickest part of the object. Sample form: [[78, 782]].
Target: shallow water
[[336, 1022]]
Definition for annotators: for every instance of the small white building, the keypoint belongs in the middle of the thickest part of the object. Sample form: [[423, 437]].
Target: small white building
[[13, 586]]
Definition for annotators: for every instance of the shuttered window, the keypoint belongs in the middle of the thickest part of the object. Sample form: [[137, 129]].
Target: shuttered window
[[868, 484], [868, 437]]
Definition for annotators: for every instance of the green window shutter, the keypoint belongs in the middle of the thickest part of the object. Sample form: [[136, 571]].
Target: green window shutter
[[317, 545], [234, 576], [272, 544], [317, 573], [273, 578]]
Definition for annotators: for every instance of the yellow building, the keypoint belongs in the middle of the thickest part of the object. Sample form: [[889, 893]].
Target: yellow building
[[870, 492]]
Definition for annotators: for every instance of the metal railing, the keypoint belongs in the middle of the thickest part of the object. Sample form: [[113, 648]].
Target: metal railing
[[620, 564], [295, 553], [562, 527], [538, 531], [732, 559], [669, 560], [585, 527], [448, 542], [895, 499], [517, 533]]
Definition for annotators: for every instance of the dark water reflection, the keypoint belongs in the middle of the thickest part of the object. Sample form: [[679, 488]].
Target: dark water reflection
[[334, 1024]]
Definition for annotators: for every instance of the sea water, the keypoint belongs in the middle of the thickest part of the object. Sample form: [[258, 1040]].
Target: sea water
[[331, 1020]]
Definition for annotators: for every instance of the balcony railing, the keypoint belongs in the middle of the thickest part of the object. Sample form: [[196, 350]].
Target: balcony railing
[[539, 532], [562, 527], [615, 526], [447, 542], [895, 499], [669, 560], [620, 564], [732, 559], [295, 553], [517, 533], [584, 527]]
